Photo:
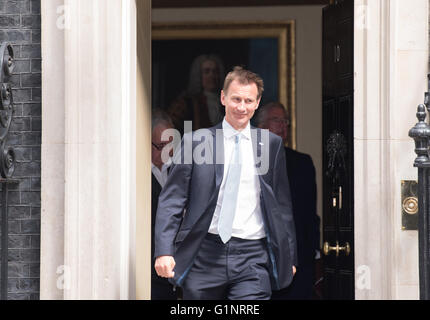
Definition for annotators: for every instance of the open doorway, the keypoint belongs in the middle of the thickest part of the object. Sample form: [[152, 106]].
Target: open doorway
[[314, 122]]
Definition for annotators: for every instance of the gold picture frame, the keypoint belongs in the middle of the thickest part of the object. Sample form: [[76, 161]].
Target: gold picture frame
[[283, 31]]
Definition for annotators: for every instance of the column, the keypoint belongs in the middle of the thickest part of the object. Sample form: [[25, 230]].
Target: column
[[391, 59], [95, 86]]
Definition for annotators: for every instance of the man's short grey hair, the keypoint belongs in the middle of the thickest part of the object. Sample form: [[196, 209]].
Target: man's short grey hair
[[160, 117], [261, 116], [195, 80]]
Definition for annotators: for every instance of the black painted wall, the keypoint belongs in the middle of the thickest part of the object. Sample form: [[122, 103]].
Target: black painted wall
[[20, 24]]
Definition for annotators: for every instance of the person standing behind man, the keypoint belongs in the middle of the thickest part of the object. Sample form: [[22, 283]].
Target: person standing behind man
[[161, 289], [236, 239], [301, 174]]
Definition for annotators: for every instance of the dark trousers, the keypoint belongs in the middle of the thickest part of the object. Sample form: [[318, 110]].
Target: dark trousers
[[237, 270], [161, 289]]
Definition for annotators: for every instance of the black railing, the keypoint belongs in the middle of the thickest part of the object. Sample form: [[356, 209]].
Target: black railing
[[7, 155], [421, 134]]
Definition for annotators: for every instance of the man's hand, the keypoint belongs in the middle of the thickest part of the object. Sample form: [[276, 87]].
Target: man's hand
[[164, 266], [294, 270]]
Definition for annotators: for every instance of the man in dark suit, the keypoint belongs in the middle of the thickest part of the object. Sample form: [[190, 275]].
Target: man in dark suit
[[161, 289], [301, 174], [236, 239]]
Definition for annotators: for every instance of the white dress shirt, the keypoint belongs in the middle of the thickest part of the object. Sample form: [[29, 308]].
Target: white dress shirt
[[248, 220], [160, 175]]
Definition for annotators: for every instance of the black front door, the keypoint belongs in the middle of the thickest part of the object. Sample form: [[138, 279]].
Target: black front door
[[338, 158]]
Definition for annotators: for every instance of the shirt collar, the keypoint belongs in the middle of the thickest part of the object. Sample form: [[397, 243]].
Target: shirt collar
[[163, 168], [230, 132]]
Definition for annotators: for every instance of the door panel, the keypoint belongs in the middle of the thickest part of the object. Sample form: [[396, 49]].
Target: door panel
[[338, 151], [346, 63]]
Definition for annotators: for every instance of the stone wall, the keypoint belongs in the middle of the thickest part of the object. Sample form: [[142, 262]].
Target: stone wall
[[20, 24]]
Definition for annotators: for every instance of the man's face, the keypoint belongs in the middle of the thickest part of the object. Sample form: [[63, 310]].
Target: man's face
[[158, 145], [276, 121], [240, 103], [210, 78]]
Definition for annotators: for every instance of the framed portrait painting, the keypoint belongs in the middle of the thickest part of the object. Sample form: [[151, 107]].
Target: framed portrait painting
[[190, 61]]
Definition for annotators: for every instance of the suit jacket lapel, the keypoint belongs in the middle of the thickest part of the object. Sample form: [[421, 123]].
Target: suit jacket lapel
[[256, 146], [255, 137], [218, 155], [155, 184]]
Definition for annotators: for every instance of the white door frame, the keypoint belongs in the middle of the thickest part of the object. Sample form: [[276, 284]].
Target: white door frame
[[95, 150]]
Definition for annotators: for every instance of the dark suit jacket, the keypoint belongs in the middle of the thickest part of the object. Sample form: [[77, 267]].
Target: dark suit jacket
[[155, 193], [301, 173], [161, 289], [195, 187]]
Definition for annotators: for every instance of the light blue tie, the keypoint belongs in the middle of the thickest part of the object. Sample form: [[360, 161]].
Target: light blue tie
[[231, 189]]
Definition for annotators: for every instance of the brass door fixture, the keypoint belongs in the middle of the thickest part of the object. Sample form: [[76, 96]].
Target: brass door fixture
[[327, 248], [409, 205], [337, 195]]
